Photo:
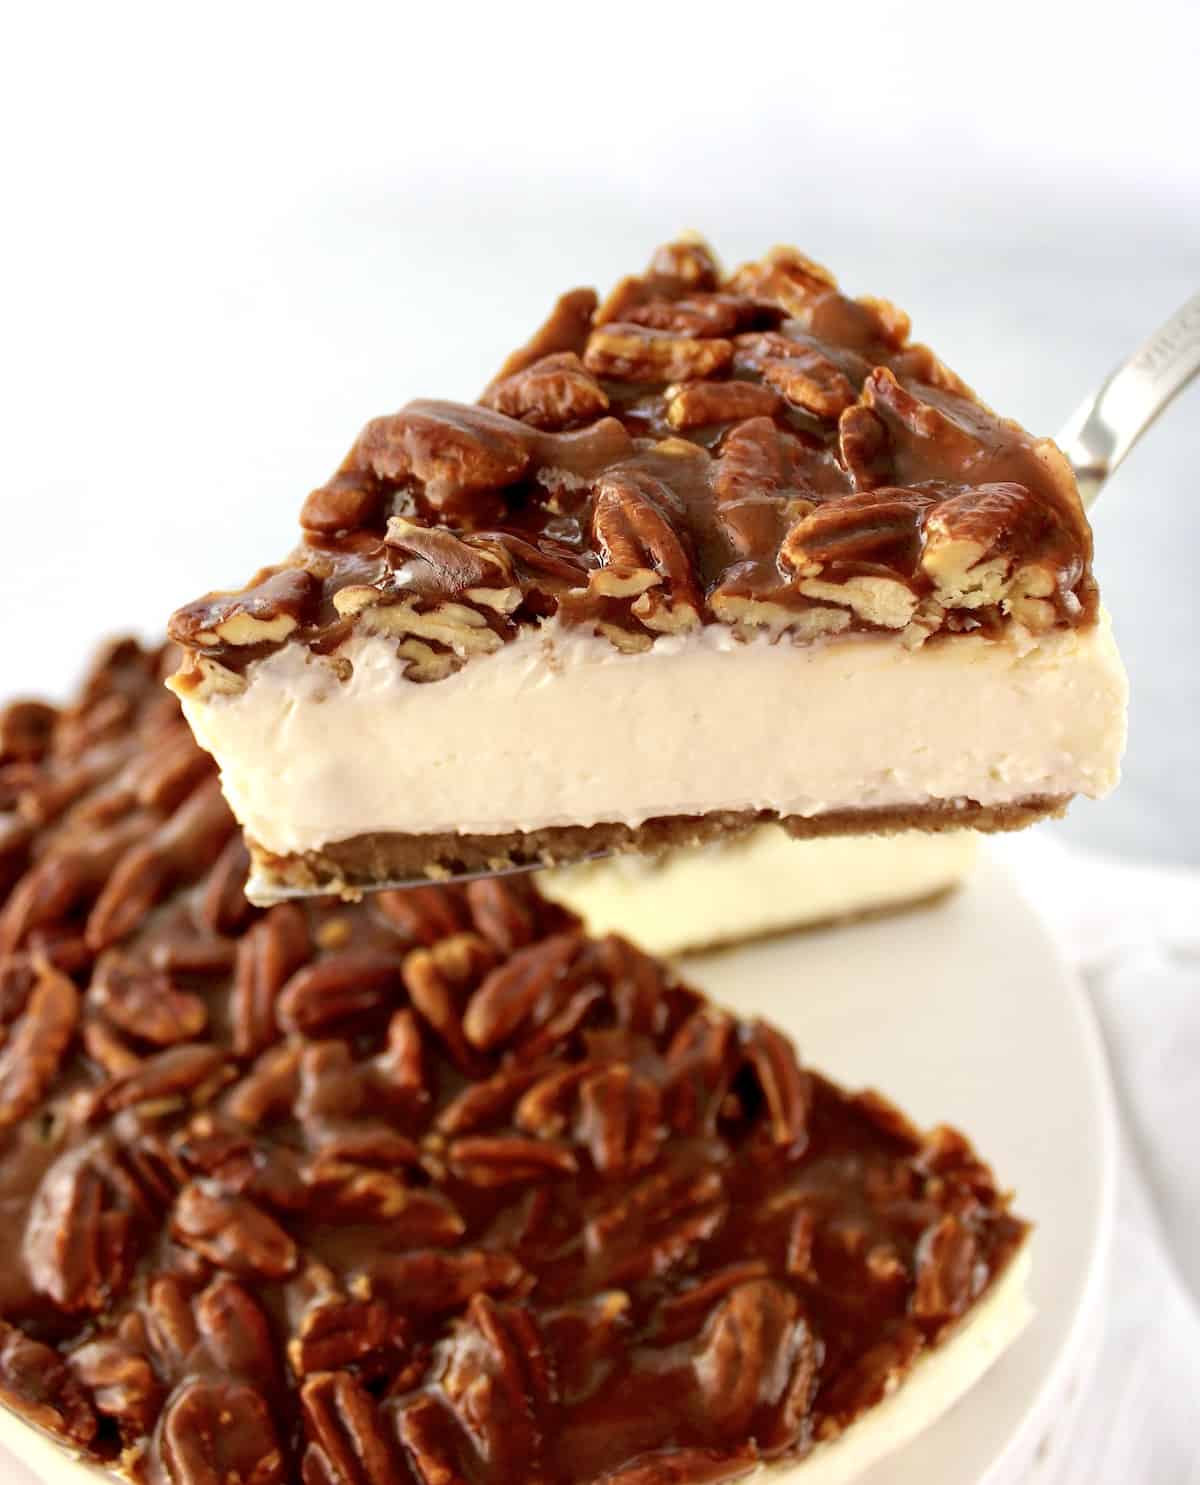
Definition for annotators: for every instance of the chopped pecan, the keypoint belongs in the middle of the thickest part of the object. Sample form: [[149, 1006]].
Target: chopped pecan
[[684, 1313], [554, 393], [635, 353], [972, 541], [231, 1232], [275, 605], [218, 1433], [785, 279], [31, 1057]]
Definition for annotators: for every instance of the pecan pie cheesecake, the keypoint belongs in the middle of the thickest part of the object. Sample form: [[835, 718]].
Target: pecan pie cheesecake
[[428, 1189], [758, 883], [719, 550]]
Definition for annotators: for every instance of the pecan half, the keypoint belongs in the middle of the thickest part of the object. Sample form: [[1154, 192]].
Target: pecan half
[[342, 1421], [231, 1232], [554, 393], [218, 1433], [458, 454], [32, 1055], [757, 1365], [510, 992], [144, 1002], [635, 353], [695, 404]]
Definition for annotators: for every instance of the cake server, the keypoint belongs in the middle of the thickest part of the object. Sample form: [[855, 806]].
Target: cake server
[[1095, 440]]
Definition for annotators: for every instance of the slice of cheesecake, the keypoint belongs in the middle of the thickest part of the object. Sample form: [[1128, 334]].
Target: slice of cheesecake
[[721, 550], [429, 1188], [759, 883]]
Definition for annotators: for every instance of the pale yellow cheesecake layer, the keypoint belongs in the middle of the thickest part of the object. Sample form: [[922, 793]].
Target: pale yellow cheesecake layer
[[759, 883], [558, 728]]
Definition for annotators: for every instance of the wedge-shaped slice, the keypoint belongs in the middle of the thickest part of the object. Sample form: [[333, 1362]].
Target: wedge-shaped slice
[[759, 883], [720, 550], [431, 1188]]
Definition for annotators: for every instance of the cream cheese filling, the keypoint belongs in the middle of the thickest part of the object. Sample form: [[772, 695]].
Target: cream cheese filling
[[559, 728], [758, 883]]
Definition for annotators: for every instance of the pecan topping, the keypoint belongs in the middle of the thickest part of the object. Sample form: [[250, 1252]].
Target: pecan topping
[[432, 1187], [450, 529]]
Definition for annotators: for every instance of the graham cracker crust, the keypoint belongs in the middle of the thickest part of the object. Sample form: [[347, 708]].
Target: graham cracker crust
[[350, 867]]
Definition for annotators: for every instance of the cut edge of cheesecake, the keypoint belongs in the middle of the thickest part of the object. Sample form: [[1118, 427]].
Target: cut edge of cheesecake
[[690, 504], [761, 884]]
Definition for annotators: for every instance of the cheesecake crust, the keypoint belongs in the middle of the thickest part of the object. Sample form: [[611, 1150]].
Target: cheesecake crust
[[364, 862]]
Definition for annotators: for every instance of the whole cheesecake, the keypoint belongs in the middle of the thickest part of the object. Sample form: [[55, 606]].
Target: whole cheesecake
[[723, 549], [433, 1188]]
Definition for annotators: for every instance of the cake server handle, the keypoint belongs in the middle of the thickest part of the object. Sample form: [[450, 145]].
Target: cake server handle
[[1105, 427]]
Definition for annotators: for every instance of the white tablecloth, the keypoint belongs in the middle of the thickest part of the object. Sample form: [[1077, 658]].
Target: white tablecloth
[[1133, 932]]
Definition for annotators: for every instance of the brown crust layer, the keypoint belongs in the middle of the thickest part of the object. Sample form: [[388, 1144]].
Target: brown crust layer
[[364, 861]]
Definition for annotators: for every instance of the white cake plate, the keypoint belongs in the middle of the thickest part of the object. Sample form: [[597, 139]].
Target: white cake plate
[[964, 1014]]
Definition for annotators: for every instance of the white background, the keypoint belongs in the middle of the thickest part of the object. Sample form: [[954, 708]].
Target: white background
[[231, 233]]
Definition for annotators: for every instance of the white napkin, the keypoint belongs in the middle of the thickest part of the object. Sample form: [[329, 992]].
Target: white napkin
[[1133, 933]]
